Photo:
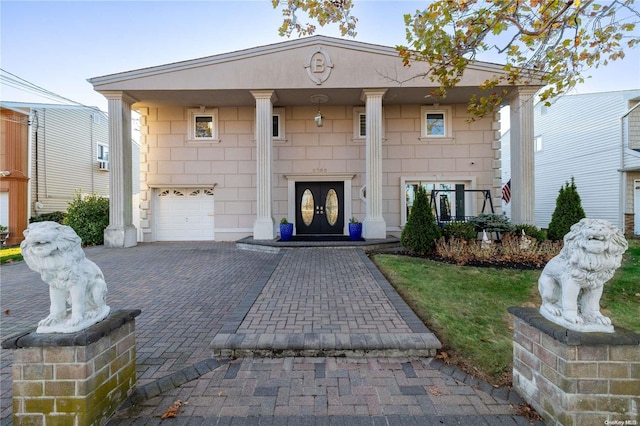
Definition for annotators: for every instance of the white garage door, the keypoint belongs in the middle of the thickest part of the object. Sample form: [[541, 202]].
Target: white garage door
[[184, 214]]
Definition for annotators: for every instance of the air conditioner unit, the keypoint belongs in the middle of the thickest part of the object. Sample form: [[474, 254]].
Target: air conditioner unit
[[103, 165]]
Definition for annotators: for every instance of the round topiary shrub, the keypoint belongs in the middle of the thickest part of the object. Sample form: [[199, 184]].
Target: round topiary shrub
[[421, 233], [491, 222], [88, 216], [459, 230]]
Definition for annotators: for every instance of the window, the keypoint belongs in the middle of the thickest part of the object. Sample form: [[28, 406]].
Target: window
[[359, 123], [278, 124], [451, 201], [103, 152], [538, 143], [203, 125], [362, 125], [435, 122]]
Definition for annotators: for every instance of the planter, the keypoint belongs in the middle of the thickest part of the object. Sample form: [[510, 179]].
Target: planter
[[286, 231], [355, 231]]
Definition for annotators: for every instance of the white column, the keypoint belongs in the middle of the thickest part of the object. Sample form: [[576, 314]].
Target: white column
[[120, 233], [263, 227], [374, 225], [523, 193]]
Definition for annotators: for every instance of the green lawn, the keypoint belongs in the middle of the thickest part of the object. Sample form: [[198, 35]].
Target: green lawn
[[467, 306]]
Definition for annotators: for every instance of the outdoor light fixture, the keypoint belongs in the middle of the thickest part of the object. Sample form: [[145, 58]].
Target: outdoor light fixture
[[319, 99]]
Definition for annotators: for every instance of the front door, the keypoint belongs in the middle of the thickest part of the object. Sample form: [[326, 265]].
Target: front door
[[319, 208]]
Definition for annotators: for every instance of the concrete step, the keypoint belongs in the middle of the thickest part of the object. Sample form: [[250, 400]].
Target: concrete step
[[326, 344]]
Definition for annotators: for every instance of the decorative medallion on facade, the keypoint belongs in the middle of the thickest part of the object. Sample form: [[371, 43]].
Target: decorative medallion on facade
[[318, 65]]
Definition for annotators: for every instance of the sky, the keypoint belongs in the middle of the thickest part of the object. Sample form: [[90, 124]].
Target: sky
[[58, 45]]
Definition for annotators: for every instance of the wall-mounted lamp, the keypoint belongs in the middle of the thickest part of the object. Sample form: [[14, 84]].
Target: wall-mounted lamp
[[319, 99]]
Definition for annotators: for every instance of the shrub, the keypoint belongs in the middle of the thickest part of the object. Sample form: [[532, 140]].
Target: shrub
[[421, 232], [88, 216], [491, 222], [531, 231], [568, 211], [459, 230], [508, 252], [46, 217]]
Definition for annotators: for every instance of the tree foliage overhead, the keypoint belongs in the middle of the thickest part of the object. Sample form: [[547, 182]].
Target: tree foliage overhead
[[554, 41]]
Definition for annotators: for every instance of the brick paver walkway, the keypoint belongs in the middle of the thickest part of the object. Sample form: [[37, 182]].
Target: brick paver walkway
[[325, 291], [191, 292]]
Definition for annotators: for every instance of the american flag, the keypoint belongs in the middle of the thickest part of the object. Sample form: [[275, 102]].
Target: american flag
[[506, 192]]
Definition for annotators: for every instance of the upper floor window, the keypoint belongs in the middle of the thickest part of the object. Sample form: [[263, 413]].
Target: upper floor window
[[103, 152], [435, 122], [203, 124]]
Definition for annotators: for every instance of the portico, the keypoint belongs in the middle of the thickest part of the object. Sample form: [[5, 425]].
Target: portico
[[242, 126]]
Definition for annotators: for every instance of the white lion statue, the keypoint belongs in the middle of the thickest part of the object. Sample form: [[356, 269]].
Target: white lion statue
[[55, 252], [571, 283]]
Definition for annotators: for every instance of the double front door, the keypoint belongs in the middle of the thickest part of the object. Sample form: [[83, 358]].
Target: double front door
[[319, 207]]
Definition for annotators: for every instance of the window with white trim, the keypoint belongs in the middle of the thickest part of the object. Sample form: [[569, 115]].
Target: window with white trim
[[452, 203], [538, 141], [203, 125], [103, 152], [278, 124], [435, 122], [359, 123]]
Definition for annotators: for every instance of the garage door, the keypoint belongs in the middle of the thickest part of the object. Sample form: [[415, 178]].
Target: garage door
[[184, 214]]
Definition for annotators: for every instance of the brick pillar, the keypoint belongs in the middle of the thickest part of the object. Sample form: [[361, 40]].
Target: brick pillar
[[76, 378], [574, 378]]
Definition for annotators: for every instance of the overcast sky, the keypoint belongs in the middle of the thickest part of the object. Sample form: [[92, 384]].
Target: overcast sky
[[58, 45]]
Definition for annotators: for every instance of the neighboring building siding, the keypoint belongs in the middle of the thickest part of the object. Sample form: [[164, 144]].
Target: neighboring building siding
[[65, 140], [633, 123], [166, 159], [581, 139]]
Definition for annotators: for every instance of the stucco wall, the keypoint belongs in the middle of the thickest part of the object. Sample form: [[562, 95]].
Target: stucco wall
[[167, 159]]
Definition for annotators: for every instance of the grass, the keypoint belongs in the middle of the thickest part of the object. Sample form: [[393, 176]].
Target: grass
[[466, 306], [10, 254]]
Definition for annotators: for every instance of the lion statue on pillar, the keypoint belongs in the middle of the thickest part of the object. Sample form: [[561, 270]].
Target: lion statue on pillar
[[571, 283], [55, 252]]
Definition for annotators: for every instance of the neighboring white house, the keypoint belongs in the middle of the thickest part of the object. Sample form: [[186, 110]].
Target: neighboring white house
[[49, 152], [594, 138], [317, 130]]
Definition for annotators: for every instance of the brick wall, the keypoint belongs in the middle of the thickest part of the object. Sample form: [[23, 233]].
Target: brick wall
[[79, 378], [574, 378]]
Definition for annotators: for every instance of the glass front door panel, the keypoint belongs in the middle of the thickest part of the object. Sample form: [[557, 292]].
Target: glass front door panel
[[331, 207], [319, 208], [306, 207]]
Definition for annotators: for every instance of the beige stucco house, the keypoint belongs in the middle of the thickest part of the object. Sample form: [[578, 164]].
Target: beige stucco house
[[316, 130]]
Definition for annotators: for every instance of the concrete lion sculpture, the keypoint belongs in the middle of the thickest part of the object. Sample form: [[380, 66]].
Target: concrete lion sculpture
[[55, 252], [571, 283]]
